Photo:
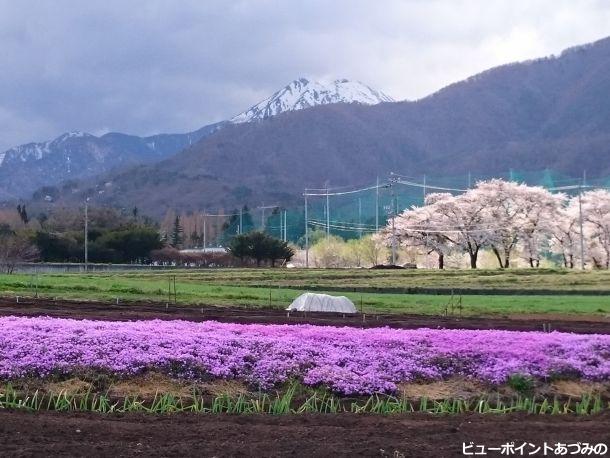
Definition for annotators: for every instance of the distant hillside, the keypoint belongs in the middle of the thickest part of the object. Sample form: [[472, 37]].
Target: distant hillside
[[77, 155], [552, 112]]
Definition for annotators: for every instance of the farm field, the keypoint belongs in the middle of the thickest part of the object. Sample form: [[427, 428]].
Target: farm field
[[219, 355], [63, 433], [61, 308], [346, 360], [80, 365], [397, 291], [138, 382], [391, 280]]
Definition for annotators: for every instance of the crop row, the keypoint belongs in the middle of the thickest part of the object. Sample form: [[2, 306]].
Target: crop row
[[285, 403], [346, 360]]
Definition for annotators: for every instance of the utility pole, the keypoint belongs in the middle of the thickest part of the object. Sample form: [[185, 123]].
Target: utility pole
[[241, 221], [306, 233], [580, 222], [327, 213], [469, 180], [393, 214], [263, 217], [263, 207], [204, 234], [282, 225], [285, 225], [359, 217], [86, 234], [424, 188], [377, 206]]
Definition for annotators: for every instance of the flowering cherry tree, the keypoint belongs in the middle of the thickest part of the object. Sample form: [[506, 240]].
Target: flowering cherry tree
[[596, 217], [503, 212], [565, 232], [422, 227], [539, 210], [501, 216]]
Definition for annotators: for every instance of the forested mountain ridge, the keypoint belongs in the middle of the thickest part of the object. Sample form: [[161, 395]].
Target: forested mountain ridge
[[546, 113]]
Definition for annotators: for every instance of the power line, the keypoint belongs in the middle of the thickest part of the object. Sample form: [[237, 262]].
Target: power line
[[325, 194], [342, 228], [219, 214], [426, 186], [336, 188], [345, 222]]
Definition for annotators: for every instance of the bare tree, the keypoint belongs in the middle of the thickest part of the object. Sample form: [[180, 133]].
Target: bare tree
[[14, 249]]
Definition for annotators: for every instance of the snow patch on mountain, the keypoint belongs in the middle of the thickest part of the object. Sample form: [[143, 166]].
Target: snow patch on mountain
[[36, 151], [302, 93], [299, 94]]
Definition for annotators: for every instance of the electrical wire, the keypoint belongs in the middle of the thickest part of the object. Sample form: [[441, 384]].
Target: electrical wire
[[324, 194]]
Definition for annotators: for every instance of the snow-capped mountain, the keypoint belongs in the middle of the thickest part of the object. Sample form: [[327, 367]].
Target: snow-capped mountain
[[77, 155], [36, 151], [302, 93]]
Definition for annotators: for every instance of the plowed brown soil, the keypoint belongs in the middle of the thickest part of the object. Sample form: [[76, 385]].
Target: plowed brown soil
[[141, 311], [185, 435]]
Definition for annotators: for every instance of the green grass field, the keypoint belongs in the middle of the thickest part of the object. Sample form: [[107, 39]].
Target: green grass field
[[396, 280], [376, 291]]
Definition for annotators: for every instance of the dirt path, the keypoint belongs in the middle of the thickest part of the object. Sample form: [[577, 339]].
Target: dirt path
[[67, 434], [137, 311]]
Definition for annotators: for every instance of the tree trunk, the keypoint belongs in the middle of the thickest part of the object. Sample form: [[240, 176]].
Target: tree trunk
[[473, 259], [441, 261], [497, 253]]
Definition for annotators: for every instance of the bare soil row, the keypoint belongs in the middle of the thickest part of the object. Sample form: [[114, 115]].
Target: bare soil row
[[144, 311], [72, 434]]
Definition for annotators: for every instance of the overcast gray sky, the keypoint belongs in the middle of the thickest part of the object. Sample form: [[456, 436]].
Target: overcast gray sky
[[149, 66]]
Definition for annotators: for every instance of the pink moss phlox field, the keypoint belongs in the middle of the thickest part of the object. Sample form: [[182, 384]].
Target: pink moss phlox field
[[347, 360]]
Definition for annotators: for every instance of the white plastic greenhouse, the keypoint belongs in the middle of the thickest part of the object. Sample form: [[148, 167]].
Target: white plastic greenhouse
[[311, 302]]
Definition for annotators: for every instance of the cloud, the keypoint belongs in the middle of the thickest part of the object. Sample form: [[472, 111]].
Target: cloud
[[149, 66]]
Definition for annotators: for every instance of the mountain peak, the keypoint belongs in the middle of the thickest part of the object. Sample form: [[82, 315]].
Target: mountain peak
[[303, 93]]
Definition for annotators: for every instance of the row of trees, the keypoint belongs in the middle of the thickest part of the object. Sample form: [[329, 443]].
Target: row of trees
[[335, 252], [196, 229], [260, 247], [506, 218], [122, 245], [59, 237], [115, 237], [189, 230]]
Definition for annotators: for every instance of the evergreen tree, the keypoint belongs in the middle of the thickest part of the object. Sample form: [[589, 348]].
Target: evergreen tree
[[231, 227], [196, 238], [176, 238], [23, 214], [232, 224], [260, 246], [247, 224]]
